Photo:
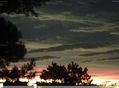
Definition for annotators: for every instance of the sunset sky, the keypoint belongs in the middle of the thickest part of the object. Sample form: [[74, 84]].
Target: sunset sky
[[63, 33]]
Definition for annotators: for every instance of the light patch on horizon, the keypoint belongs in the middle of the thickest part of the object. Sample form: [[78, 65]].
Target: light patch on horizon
[[104, 74]]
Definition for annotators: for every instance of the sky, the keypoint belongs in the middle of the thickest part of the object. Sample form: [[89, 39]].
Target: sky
[[65, 32]]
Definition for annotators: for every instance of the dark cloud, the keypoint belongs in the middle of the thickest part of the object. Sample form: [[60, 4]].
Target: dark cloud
[[100, 53], [82, 6], [69, 47], [110, 59], [59, 31]]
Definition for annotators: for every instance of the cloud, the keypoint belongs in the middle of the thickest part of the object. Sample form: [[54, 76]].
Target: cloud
[[100, 53], [103, 59], [35, 44], [115, 33], [87, 61], [69, 29], [110, 59], [42, 58], [69, 47]]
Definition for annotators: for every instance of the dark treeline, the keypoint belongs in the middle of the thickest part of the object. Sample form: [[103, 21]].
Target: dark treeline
[[71, 74], [13, 74], [18, 72]]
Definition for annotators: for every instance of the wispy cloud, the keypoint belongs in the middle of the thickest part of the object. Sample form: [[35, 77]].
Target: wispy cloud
[[100, 53], [68, 47], [42, 58], [103, 59]]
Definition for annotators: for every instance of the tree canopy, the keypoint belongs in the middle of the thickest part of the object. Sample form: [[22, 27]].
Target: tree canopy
[[52, 72], [70, 75], [11, 46]]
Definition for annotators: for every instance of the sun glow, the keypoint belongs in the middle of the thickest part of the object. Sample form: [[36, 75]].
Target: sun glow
[[36, 79], [105, 82], [96, 80]]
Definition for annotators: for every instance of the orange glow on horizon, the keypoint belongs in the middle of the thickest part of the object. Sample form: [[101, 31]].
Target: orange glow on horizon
[[98, 76]]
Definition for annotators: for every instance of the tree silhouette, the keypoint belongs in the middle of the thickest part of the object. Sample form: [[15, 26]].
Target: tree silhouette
[[4, 73], [15, 73], [75, 74], [55, 72], [69, 75], [11, 47], [86, 77], [27, 68]]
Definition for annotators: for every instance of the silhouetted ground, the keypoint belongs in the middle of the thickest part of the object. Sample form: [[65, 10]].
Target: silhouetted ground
[[60, 84], [7, 83]]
